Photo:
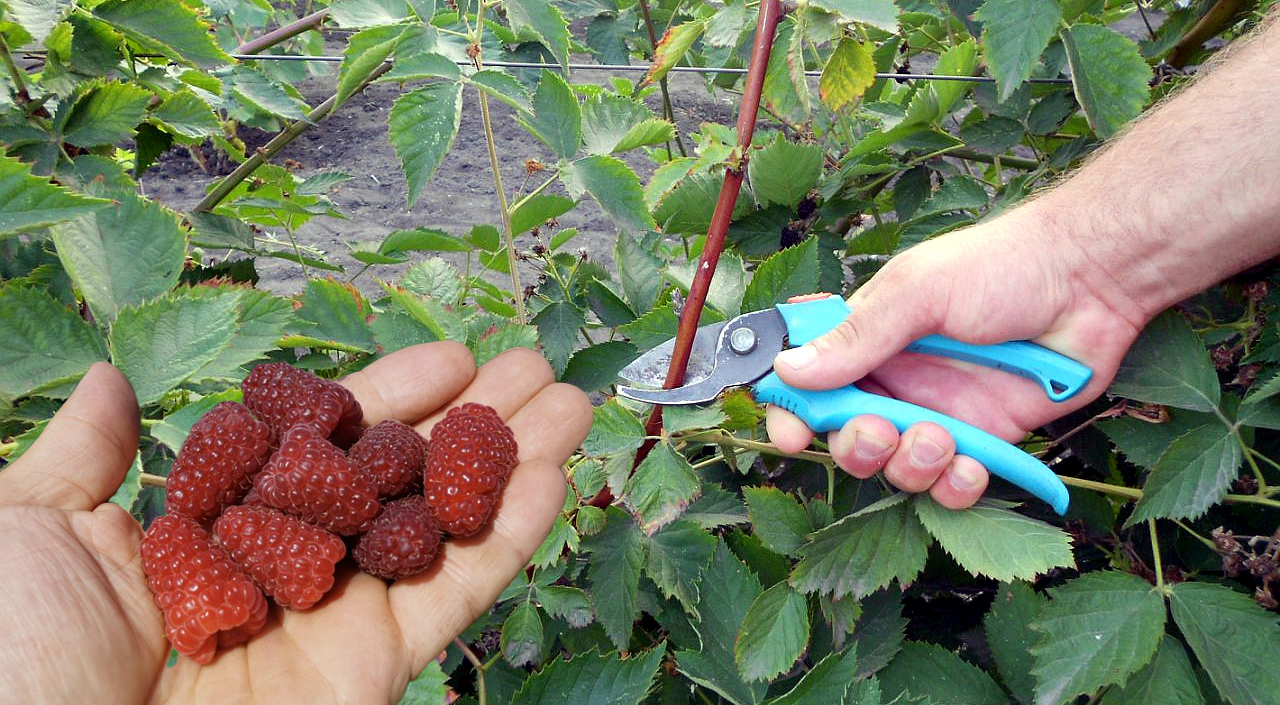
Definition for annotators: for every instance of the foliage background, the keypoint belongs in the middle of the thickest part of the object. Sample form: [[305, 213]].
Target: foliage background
[[707, 567]]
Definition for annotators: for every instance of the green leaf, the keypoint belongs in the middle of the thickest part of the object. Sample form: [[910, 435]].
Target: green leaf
[[1010, 636], [29, 202], [506, 337], [935, 100], [127, 493], [784, 172], [503, 86], [173, 429], [594, 368], [863, 553], [335, 313], [561, 538], [847, 75], [639, 272], [37, 17], [607, 304], [165, 26], [422, 126], [691, 417], [558, 325], [716, 507], [261, 320], [939, 675], [522, 636], [106, 114], [1169, 680], [42, 342], [826, 683], [122, 255], [592, 678], [187, 115], [777, 519], [1236, 641], [614, 186], [1169, 365], [368, 13], [727, 286], [788, 273], [429, 688], [877, 13], [881, 630], [545, 22], [1015, 34], [533, 212], [365, 52], [614, 430], [606, 119], [728, 589], [1110, 77], [774, 633], [160, 344], [660, 488], [671, 48], [1193, 474], [1098, 630], [989, 540], [679, 554], [613, 574], [956, 193], [260, 92], [565, 602], [557, 117]]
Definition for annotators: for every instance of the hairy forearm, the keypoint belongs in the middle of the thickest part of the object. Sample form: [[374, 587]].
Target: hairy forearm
[[1186, 197]]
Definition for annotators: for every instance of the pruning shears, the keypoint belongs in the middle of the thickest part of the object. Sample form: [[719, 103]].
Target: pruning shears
[[740, 351]]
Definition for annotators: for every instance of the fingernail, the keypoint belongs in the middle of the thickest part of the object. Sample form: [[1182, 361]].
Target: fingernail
[[798, 358], [924, 452], [965, 477], [868, 447]]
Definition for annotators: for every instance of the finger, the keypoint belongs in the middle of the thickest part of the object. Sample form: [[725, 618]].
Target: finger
[[926, 449], [552, 424], [83, 454], [506, 383], [863, 446], [961, 484], [786, 430], [413, 382]]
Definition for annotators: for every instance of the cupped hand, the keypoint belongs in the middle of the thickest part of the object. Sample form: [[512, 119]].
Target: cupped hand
[[999, 281], [81, 626]]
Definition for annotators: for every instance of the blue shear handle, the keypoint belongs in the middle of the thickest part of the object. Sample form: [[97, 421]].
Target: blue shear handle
[[828, 410], [1060, 376]]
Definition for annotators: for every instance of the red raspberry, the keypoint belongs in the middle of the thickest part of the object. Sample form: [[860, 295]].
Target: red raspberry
[[311, 478], [402, 541], [217, 462], [391, 454], [206, 599], [291, 560], [284, 396], [470, 456]]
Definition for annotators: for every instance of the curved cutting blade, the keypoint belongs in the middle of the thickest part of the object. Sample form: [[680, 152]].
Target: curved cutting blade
[[650, 369]]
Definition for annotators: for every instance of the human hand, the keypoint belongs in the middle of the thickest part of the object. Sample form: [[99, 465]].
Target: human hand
[[81, 625], [1003, 280]]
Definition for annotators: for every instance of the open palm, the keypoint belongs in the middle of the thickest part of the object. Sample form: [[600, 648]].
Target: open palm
[[82, 625]]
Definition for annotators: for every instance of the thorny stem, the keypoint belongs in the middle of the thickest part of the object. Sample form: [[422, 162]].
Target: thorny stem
[[1155, 555], [470, 655]]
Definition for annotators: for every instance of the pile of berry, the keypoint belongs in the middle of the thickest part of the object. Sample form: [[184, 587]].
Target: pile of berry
[[268, 496]]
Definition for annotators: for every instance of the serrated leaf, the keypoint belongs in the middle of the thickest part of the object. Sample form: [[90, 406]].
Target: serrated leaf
[[260, 92], [881, 630], [678, 558], [533, 212], [1169, 680], [727, 286], [503, 339], [503, 86], [166, 26], [877, 13], [557, 117], [689, 206], [607, 304], [607, 119], [521, 641], [173, 429], [106, 114], [1010, 637], [614, 430], [826, 683], [562, 537], [935, 100], [774, 633], [690, 417], [160, 344], [1098, 630], [42, 342], [613, 574], [546, 23], [422, 126], [127, 493], [429, 688], [1233, 638], [671, 48], [558, 325], [261, 319], [930, 671], [777, 519], [335, 313], [784, 172], [365, 52], [187, 114], [368, 13], [660, 488], [847, 75], [788, 273], [639, 272], [1168, 365], [614, 186], [863, 553], [1193, 474], [565, 602], [1015, 34], [28, 201], [1109, 75], [956, 193], [989, 540], [122, 255], [716, 507], [595, 368], [37, 17], [592, 678]]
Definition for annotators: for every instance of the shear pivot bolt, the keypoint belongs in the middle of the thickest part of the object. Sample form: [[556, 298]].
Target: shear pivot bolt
[[742, 340]]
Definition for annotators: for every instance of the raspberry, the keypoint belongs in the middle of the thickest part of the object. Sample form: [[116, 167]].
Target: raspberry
[[391, 454], [291, 560], [217, 462], [206, 599], [402, 541], [284, 396], [470, 456], [311, 478]]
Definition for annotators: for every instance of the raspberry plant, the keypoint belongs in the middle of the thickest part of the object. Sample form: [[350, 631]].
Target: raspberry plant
[[695, 563]]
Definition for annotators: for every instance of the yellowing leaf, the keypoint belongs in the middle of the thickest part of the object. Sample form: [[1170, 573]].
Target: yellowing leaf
[[848, 74]]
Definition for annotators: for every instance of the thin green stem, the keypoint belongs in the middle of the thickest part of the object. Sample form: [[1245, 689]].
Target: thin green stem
[[541, 187], [1155, 554], [721, 437], [1133, 493], [973, 155], [1251, 457], [1208, 543], [19, 78], [470, 656]]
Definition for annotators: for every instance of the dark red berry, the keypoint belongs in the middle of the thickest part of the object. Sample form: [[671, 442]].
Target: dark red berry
[[285, 396], [392, 455], [471, 454], [311, 478], [217, 462], [402, 541], [291, 560]]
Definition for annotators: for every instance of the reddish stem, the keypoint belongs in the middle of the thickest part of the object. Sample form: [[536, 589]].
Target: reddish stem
[[274, 37]]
